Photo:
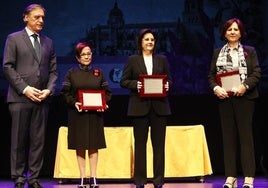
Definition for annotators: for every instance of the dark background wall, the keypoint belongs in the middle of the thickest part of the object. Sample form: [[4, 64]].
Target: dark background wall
[[188, 32]]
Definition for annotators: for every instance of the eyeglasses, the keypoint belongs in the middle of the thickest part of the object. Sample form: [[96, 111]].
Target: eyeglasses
[[148, 39], [87, 54]]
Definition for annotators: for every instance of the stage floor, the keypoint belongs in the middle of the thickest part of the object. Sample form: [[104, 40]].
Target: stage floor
[[210, 182]]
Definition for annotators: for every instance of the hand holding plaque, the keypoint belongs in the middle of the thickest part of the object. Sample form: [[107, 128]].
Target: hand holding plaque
[[229, 81], [92, 99], [153, 85]]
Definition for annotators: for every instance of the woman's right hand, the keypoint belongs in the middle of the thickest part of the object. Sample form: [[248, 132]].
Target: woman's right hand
[[77, 106], [139, 85], [221, 92]]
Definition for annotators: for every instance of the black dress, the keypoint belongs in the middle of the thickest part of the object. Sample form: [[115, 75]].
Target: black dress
[[85, 129]]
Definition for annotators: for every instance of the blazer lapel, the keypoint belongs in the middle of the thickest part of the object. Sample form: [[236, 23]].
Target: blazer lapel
[[41, 46], [155, 62], [141, 64], [29, 44]]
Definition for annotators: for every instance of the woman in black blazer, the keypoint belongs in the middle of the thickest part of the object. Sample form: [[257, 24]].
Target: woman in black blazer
[[236, 105], [147, 112]]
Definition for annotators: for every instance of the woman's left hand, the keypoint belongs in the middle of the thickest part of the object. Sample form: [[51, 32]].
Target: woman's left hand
[[167, 86], [240, 91], [102, 110]]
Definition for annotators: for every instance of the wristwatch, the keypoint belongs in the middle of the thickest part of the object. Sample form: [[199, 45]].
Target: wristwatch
[[246, 85]]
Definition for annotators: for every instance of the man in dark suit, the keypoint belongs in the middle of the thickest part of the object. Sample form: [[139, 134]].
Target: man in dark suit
[[147, 112], [32, 79]]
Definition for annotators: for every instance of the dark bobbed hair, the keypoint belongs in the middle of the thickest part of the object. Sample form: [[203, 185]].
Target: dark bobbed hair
[[31, 7], [140, 37], [228, 23], [79, 47]]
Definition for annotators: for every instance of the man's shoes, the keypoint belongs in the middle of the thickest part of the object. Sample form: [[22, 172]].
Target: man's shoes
[[35, 185], [19, 185]]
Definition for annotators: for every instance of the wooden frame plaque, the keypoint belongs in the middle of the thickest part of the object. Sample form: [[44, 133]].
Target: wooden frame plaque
[[229, 80], [92, 99], [153, 85]]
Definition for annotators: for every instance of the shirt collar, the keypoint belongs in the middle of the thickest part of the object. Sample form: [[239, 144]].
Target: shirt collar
[[29, 32]]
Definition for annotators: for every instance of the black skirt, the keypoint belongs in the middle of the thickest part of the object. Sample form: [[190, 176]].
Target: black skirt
[[85, 130]]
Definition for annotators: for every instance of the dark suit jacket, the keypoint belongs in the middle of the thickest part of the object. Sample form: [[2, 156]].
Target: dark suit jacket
[[22, 67], [140, 106], [253, 69]]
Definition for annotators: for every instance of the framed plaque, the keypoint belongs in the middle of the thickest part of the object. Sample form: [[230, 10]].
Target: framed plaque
[[229, 81], [153, 85], [92, 99]]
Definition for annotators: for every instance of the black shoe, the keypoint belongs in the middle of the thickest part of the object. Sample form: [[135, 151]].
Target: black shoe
[[158, 186], [93, 183], [93, 186], [82, 183], [35, 185], [139, 186], [19, 185], [81, 186]]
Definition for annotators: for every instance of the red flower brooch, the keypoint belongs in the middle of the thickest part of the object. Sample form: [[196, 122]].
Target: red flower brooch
[[96, 72]]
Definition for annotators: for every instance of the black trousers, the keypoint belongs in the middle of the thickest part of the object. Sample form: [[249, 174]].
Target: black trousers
[[157, 126], [27, 140], [236, 114]]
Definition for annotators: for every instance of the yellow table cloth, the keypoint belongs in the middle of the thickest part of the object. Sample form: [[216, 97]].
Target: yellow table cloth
[[115, 161], [186, 154]]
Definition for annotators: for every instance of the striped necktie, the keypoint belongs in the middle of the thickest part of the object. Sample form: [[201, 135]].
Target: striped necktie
[[36, 45]]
